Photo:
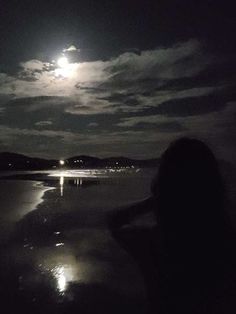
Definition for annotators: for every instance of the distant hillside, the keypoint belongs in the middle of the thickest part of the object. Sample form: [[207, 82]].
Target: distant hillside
[[13, 161], [82, 161], [87, 162]]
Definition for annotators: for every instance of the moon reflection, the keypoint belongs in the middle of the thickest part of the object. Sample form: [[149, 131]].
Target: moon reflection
[[63, 268], [61, 185], [59, 273], [63, 275]]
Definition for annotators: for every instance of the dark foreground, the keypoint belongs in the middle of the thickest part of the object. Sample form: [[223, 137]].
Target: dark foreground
[[61, 257], [57, 251]]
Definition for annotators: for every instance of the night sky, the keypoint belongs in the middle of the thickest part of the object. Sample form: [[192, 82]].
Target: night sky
[[112, 78]]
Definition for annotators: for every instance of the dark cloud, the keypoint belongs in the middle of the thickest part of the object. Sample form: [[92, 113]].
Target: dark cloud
[[169, 127], [43, 123], [192, 106]]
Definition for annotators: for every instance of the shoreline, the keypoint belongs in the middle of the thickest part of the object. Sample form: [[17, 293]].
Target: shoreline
[[61, 251]]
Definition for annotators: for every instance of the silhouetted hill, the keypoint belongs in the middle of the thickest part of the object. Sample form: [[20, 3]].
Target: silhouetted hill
[[13, 161], [87, 161], [82, 161]]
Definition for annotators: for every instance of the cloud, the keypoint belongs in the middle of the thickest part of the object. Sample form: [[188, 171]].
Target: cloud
[[152, 122], [93, 124], [93, 82], [128, 84], [182, 60], [132, 121], [70, 48], [39, 102], [216, 128], [191, 106], [34, 65], [43, 123], [133, 102], [162, 100]]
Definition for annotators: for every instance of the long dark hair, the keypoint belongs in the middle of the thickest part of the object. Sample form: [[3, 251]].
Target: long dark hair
[[190, 191]]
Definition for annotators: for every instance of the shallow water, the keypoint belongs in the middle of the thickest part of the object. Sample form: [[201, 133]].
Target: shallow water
[[57, 254]]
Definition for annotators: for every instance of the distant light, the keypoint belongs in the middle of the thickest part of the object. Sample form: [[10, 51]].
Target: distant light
[[62, 62], [62, 162], [59, 244]]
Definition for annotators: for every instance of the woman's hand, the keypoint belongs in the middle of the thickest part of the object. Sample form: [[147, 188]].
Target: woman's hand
[[125, 216]]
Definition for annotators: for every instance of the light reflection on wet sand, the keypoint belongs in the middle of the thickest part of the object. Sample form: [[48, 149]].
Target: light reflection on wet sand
[[60, 257], [17, 199], [62, 250]]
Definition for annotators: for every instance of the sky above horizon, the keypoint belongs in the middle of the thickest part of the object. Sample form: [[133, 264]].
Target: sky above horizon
[[108, 78]]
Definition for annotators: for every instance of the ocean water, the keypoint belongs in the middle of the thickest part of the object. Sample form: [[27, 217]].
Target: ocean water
[[57, 252]]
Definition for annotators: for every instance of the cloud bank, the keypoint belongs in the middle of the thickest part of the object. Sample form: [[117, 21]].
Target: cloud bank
[[133, 104]]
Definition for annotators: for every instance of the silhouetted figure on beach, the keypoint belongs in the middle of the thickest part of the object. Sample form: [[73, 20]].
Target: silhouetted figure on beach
[[187, 259]]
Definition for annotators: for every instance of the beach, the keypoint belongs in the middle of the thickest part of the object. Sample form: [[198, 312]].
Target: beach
[[57, 252]]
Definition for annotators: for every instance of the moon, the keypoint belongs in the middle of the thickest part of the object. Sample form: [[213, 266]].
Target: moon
[[64, 68], [62, 62]]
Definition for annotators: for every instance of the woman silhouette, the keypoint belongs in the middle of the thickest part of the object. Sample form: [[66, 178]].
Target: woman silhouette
[[187, 259]]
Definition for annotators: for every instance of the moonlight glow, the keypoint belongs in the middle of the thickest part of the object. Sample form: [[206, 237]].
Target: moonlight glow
[[62, 62], [65, 69]]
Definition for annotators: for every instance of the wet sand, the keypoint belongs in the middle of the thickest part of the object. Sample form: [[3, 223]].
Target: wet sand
[[58, 255]]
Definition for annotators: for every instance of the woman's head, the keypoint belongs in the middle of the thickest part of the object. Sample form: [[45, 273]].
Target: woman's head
[[189, 187]]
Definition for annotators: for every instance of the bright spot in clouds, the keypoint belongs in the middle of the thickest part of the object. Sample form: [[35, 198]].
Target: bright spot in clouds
[[65, 69], [62, 62]]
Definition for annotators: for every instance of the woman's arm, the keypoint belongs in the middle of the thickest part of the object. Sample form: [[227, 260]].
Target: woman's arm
[[125, 216]]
